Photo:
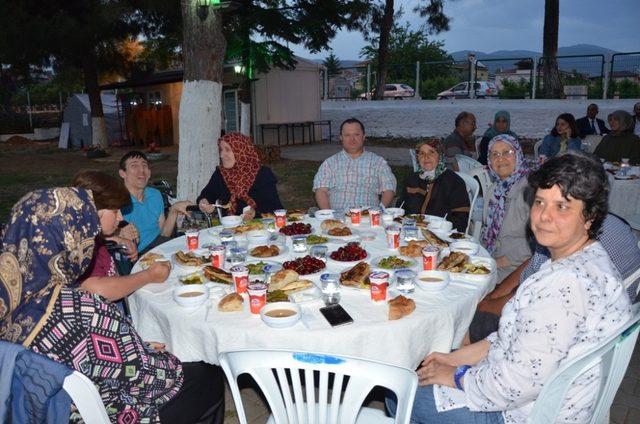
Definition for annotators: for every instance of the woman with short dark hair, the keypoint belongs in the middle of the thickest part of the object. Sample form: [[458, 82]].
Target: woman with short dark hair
[[573, 303], [564, 136]]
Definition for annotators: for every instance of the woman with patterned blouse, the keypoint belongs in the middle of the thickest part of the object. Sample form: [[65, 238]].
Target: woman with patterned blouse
[[46, 248], [571, 304], [240, 180]]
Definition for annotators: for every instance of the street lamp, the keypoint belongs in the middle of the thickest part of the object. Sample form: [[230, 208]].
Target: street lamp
[[203, 6]]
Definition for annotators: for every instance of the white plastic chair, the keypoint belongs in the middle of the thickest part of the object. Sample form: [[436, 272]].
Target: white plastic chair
[[628, 282], [275, 370], [615, 355], [466, 163], [473, 188], [86, 398], [414, 160], [536, 150], [482, 176], [477, 143]]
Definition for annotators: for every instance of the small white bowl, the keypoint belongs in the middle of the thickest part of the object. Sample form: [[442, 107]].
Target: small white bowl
[[468, 247], [396, 212], [439, 224], [191, 296], [258, 236], [432, 280], [323, 214], [280, 322], [231, 221]]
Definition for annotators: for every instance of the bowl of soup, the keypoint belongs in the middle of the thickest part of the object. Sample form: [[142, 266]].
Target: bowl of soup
[[280, 314], [432, 280], [191, 296], [463, 246]]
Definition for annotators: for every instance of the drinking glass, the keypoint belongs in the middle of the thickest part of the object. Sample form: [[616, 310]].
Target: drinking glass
[[330, 286], [299, 244], [237, 255], [410, 233], [269, 224], [405, 281], [319, 252]]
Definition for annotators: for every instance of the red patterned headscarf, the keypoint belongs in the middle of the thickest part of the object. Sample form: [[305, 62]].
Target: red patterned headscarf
[[242, 175]]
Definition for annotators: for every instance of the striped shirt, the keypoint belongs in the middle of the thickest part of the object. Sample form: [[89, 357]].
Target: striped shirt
[[354, 182], [619, 242]]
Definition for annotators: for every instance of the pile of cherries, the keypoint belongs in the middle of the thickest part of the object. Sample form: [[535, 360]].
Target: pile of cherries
[[305, 265], [348, 253], [295, 229]]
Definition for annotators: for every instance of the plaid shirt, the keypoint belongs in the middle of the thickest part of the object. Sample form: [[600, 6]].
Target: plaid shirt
[[354, 182], [619, 242]]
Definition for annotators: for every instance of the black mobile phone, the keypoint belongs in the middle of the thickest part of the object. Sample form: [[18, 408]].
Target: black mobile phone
[[336, 315]]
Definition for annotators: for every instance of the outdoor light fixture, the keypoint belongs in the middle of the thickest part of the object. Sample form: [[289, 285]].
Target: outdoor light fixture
[[238, 69], [203, 6]]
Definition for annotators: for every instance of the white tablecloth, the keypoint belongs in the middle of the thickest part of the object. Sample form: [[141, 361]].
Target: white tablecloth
[[624, 198], [438, 323]]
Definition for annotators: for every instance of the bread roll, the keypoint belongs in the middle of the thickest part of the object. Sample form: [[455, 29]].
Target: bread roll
[[400, 307], [329, 224], [282, 278], [230, 303]]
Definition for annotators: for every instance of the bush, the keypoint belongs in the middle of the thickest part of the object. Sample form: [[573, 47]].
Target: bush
[[515, 90], [430, 88]]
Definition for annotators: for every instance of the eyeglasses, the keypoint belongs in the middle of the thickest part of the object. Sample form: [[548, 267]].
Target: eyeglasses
[[507, 154]]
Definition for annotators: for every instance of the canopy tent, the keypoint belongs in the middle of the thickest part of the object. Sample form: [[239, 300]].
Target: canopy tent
[[78, 115]]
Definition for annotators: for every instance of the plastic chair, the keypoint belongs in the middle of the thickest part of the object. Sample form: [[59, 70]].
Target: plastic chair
[[473, 188], [466, 163], [630, 280], [86, 398], [477, 144], [275, 371], [614, 356], [414, 160], [536, 150], [483, 178]]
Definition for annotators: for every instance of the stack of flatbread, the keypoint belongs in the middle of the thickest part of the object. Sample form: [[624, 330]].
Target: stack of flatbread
[[250, 226], [288, 281], [189, 259], [231, 303], [414, 248], [454, 262], [333, 227], [217, 275], [358, 276], [149, 258]]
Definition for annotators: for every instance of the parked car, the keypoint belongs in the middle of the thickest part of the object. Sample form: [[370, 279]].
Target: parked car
[[396, 91], [483, 90]]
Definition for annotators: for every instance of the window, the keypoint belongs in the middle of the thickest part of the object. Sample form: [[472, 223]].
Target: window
[[389, 87]]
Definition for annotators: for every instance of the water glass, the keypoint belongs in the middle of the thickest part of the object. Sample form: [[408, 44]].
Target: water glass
[[405, 281], [299, 244], [237, 255], [319, 252], [410, 233], [226, 236], [269, 270], [330, 286], [269, 224]]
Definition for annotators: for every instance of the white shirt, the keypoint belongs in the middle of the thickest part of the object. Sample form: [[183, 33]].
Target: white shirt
[[595, 126], [560, 312]]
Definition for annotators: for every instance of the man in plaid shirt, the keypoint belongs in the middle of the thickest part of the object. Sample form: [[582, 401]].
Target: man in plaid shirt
[[353, 177]]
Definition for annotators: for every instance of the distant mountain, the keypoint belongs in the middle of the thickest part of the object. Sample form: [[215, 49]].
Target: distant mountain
[[343, 63]]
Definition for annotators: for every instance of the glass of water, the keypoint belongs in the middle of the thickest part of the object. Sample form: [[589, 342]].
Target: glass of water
[[319, 252], [330, 285], [405, 281], [299, 244], [269, 224], [237, 255], [410, 233]]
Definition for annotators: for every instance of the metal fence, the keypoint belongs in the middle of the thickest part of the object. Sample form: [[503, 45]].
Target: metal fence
[[27, 110], [581, 76]]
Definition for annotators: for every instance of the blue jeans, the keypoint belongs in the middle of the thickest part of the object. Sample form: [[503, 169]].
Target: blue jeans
[[424, 411]]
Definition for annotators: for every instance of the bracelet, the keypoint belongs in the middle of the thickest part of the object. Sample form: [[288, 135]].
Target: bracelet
[[460, 372]]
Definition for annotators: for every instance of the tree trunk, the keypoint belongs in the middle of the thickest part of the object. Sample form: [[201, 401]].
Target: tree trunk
[[91, 86], [200, 115], [383, 49], [552, 86], [244, 91]]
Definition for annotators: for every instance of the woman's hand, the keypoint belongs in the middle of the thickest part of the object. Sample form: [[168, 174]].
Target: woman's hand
[[180, 208], [129, 232], [159, 271], [436, 369], [132, 248], [206, 207], [249, 214]]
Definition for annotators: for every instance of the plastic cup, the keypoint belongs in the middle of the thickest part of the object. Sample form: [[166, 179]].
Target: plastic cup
[[257, 296], [240, 275], [393, 237], [374, 217], [379, 281], [193, 238], [281, 217], [356, 215], [330, 287], [217, 256], [430, 258]]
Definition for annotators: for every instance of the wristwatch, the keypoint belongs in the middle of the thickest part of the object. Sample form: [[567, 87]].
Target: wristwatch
[[460, 372]]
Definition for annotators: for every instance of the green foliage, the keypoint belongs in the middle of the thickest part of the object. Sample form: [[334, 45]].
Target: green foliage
[[626, 89], [595, 90], [429, 88], [332, 63], [515, 90]]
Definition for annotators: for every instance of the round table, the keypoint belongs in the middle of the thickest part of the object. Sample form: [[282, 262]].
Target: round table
[[438, 323]]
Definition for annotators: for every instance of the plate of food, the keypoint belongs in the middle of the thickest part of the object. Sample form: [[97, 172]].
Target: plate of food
[[296, 229], [293, 215], [217, 275], [356, 277], [268, 251], [434, 239], [306, 266], [314, 239], [348, 255], [290, 284], [469, 268], [420, 219], [257, 267], [455, 235], [149, 258], [190, 261], [247, 226], [413, 249], [393, 262]]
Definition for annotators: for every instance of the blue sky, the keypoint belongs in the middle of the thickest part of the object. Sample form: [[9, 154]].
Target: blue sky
[[490, 25]]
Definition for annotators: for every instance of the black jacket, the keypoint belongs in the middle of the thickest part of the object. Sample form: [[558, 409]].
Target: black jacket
[[263, 191], [584, 127], [447, 195]]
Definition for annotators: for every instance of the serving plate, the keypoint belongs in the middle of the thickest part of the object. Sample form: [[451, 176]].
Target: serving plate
[[375, 263]]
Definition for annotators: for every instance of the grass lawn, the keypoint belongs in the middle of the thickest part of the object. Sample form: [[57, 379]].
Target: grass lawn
[[26, 167]]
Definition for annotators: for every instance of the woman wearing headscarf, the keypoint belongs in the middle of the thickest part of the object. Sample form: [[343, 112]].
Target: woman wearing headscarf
[[506, 210], [240, 180], [46, 247], [434, 189], [564, 136], [621, 142], [501, 125]]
